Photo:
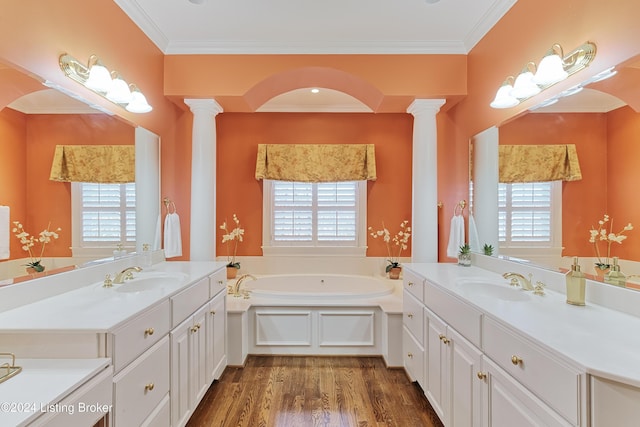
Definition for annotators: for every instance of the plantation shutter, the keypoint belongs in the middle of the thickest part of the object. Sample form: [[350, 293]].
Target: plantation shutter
[[108, 213], [316, 213], [524, 213]]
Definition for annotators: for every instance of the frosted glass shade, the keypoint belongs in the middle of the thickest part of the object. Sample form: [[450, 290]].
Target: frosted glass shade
[[503, 98], [550, 71]]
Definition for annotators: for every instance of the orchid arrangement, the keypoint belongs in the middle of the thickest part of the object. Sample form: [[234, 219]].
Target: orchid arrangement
[[396, 244], [28, 242], [232, 238], [604, 233]]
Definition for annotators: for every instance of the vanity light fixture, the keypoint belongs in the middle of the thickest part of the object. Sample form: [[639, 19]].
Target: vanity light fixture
[[108, 84], [553, 68]]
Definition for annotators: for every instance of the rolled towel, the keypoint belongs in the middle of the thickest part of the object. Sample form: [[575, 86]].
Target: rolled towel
[[172, 236]]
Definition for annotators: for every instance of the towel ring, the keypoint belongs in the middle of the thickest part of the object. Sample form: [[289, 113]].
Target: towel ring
[[168, 204], [461, 204]]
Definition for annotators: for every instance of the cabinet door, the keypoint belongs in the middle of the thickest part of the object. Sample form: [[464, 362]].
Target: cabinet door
[[216, 337], [437, 372], [510, 404], [466, 385], [198, 358], [180, 363]]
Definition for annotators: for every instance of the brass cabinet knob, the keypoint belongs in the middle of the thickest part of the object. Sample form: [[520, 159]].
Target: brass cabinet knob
[[149, 387], [444, 339], [148, 331], [410, 284], [410, 315], [410, 355], [220, 282], [194, 329], [516, 360], [482, 376], [213, 312]]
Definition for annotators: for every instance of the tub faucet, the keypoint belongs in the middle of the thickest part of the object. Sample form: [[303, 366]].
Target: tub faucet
[[235, 289], [519, 279], [126, 274]]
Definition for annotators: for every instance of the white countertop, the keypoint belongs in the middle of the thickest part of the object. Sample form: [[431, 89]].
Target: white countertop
[[93, 308], [41, 384], [602, 341]]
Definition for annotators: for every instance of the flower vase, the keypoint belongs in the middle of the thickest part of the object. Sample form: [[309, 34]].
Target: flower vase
[[34, 271], [232, 272], [464, 260], [601, 273], [394, 273]]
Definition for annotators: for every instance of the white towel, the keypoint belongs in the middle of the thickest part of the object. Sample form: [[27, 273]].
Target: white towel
[[5, 227], [172, 236], [474, 240], [456, 236]]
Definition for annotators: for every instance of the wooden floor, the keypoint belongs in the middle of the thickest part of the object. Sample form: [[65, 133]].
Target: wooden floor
[[300, 391]]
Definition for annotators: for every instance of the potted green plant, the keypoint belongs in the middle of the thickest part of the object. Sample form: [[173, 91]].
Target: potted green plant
[[464, 255], [488, 249], [232, 238]]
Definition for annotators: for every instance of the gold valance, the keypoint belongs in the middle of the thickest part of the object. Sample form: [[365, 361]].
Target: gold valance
[[94, 163], [316, 162], [538, 163]]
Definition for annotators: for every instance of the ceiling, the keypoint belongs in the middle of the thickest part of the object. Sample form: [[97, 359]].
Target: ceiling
[[314, 27]]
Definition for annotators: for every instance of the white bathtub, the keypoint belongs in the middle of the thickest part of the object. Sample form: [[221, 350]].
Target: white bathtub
[[325, 286]]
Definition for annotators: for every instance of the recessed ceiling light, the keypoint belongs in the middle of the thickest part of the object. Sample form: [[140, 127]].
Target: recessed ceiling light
[[315, 90], [196, 1], [432, 1]]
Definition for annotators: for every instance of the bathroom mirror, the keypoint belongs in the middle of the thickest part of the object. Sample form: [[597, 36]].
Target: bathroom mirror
[[51, 113], [603, 121]]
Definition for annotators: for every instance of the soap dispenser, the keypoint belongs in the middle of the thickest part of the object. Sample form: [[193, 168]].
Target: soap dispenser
[[576, 284], [615, 276], [147, 260]]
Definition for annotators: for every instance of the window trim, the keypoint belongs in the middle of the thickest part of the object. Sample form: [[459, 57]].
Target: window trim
[[359, 250], [531, 251], [78, 247]]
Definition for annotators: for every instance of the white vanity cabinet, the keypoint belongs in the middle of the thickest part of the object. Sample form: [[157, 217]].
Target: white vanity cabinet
[[478, 372], [198, 350], [614, 403]]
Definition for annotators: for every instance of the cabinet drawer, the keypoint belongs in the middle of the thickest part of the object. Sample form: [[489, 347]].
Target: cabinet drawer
[[413, 357], [188, 301], [461, 316], [134, 337], [414, 284], [141, 386], [552, 380], [217, 282], [413, 316]]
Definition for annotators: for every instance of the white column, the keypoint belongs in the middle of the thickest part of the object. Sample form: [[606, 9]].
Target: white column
[[425, 180], [203, 179]]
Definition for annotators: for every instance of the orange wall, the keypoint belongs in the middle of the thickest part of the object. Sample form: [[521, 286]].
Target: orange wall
[[35, 201], [623, 136], [584, 202], [389, 197]]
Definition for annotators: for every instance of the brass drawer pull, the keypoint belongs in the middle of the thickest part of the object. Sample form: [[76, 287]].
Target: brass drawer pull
[[410, 284], [516, 360], [149, 387], [148, 331], [444, 339], [410, 355], [482, 376], [195, 328], [213, 312], [410, 315]]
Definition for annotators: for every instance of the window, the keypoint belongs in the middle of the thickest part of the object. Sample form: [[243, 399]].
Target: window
[[103, 215], [314, 216], [529, 214]]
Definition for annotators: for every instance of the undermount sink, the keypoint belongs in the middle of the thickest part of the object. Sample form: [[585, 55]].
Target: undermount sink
[[152, 281], [492, 289]]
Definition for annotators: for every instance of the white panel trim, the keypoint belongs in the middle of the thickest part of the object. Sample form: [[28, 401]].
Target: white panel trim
[[325, 331]]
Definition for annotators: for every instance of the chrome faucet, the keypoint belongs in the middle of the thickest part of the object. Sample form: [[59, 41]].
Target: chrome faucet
[[126, 274], [519, 279], [235, 289]]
